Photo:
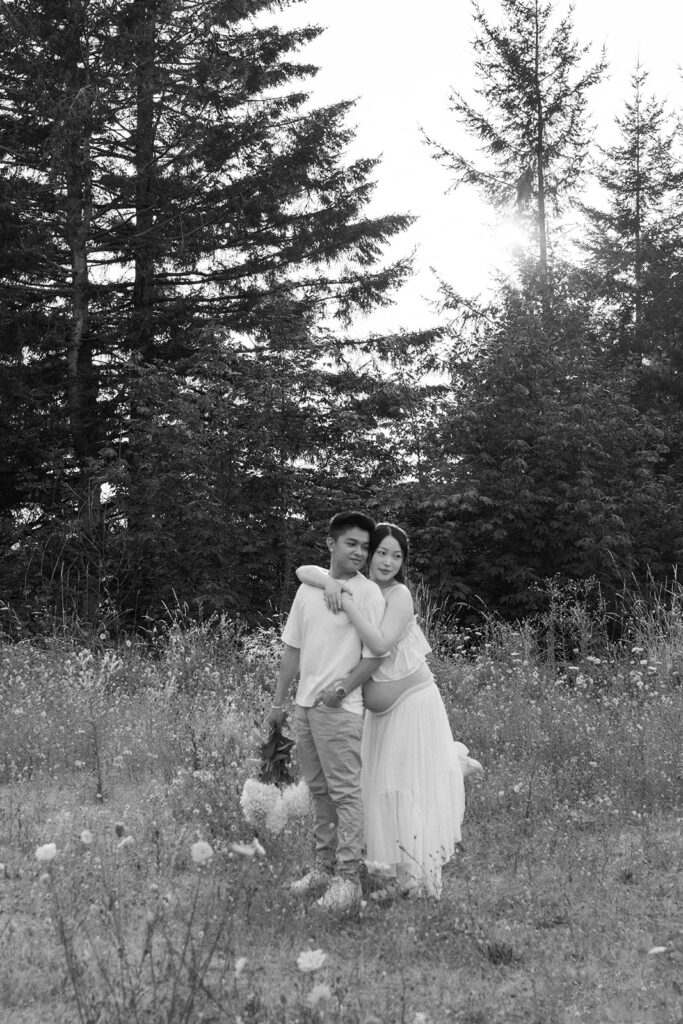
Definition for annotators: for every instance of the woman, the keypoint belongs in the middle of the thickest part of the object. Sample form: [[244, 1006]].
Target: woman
[[412, 775]]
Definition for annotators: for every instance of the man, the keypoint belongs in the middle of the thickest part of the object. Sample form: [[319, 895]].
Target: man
[[324, 649]]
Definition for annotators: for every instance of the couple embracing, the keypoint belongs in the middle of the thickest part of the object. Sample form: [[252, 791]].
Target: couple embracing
[[373, 737]]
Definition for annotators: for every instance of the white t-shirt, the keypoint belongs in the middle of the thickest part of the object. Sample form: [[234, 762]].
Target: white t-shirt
[[329, 646]]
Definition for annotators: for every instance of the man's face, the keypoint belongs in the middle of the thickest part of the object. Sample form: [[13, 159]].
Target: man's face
[[349, 552]]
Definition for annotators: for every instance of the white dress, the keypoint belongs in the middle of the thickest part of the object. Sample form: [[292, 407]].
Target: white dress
[[412, 778]]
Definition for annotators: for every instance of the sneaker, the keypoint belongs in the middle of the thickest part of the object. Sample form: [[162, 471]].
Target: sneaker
[[342, 894], [317, 879]]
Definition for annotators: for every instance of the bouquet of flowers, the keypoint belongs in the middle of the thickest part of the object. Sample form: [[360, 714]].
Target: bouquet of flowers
[[273, 798], [276, 758]]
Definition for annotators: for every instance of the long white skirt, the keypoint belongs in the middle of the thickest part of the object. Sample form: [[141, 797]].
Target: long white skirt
[[413, 789]]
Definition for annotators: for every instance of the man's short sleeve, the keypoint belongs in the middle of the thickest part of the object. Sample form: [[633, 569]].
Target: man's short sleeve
[[291, 634]]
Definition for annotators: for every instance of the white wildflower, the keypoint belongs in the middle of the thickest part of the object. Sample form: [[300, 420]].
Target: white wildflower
[[656, 950], [201, 852], [297, 800], [276, 818], [240, 963], [258, 800], [320, 993], [258, 849], [86, 837], [311, 960], [46, 852], [243, 850], [265, 805]]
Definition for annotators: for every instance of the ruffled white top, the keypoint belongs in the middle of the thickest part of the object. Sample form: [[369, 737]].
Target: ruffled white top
[[407, 654]]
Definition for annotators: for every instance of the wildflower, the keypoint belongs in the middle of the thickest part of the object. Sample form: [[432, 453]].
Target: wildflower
[[126, 841], [243, 850], [276, 818], [86, 837], [297, 800], [311, 960], [657, 949], [319, 994], [240, 963], [46, 852], [248, 850], [257, 799], [201, 852]]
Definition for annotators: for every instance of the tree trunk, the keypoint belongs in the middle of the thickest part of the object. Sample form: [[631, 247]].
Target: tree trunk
[[145, 200], [540, 177], [81, 382]]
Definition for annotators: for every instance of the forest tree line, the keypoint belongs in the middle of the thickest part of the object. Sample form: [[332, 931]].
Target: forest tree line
[[185, 396]]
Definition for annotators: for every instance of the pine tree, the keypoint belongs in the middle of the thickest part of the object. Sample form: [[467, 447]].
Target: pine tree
[[547, 468], [179, 214], [530, 120], [634, 241]]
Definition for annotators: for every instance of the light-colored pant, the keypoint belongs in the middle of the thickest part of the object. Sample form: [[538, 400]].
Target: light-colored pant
[[328, 742]]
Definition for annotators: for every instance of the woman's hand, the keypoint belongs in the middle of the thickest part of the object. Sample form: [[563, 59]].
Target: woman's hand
[[333, 594]]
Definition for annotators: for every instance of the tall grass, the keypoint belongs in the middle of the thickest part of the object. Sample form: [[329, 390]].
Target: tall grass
[[124, 757]]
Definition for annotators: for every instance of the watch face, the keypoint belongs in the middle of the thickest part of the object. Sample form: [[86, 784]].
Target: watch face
[[340, 693]]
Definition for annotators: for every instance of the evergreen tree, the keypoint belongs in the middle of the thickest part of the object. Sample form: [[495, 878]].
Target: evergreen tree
[[179, 215], [530, 120], [634, 242], [548, 468]]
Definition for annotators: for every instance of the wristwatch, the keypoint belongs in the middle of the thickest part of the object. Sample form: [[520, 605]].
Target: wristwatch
[[340, 693]]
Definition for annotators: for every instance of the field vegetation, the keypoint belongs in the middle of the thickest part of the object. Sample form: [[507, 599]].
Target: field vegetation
[[132, 890]]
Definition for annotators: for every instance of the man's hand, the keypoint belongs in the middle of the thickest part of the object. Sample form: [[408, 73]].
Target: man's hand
[[275, 716], [328, 696]]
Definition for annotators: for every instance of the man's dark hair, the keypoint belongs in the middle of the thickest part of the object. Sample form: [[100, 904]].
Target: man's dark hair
[[347, 520]]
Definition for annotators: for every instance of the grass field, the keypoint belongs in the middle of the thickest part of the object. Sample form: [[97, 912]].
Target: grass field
[[564, 905]]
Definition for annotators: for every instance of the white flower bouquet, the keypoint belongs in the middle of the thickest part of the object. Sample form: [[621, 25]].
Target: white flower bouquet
[[273, 798]]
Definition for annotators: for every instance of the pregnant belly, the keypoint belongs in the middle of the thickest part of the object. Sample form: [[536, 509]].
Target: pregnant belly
[[379, 696]]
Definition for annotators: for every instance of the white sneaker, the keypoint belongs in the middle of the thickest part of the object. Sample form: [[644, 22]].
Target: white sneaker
[[315, 881], [342, 894]]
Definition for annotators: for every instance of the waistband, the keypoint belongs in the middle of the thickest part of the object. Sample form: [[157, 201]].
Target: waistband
[[412, 692]]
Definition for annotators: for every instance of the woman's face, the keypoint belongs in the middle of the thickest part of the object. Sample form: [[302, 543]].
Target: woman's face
[[386, 561]]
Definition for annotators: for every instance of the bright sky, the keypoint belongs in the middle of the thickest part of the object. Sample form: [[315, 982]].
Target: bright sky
[[400, 60]]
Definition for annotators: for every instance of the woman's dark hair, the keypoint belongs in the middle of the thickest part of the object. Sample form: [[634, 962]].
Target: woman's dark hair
[[383, 530]]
